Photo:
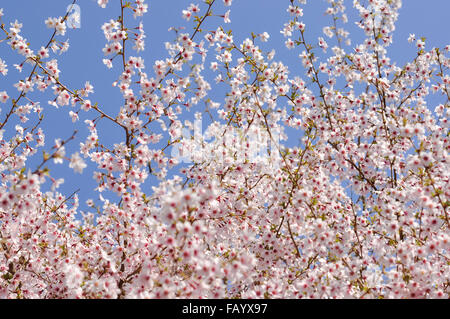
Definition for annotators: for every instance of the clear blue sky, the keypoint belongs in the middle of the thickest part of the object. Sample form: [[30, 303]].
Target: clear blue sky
[[83, 61]]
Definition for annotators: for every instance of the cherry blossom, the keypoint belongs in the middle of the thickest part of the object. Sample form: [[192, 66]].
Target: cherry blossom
[[3, 96], [3, 67], [185, 207]]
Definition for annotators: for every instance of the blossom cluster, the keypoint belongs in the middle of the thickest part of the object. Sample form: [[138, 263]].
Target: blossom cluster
[[359, 209]]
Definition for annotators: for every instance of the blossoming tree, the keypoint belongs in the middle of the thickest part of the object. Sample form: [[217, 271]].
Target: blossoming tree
[[359, 209]]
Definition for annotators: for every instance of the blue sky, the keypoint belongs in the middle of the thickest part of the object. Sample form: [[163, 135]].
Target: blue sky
[[83, 61]]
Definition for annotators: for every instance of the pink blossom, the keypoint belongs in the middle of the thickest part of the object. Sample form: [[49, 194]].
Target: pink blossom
[[227, 206]]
